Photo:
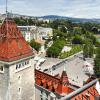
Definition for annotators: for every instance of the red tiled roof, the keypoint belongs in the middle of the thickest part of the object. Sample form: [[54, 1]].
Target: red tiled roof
[[64, 78], [90, 93], [62, 86], [87, 92], [59, 85], [12, 44]]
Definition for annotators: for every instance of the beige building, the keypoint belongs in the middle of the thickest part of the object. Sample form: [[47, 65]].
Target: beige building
[[34, 32]]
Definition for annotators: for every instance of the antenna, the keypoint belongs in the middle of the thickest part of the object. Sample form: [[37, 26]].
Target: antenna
[[6, 8], [7, 15]]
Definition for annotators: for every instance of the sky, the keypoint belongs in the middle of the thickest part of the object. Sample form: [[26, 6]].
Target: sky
[[69, 8]]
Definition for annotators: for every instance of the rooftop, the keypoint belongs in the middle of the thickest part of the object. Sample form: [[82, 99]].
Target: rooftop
[[73, 67], [64, 90], [12, 44]]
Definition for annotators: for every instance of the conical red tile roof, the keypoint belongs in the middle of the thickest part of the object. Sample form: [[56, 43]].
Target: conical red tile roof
[[12, 44], [64, 78]]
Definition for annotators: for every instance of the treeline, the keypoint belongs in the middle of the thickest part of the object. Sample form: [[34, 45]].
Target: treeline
[[64, 25], [30, 21], [87, 26], [73, 34]]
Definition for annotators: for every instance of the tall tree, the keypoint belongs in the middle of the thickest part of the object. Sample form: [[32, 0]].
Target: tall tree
[[97, 63], [56, 48], [88, 49], [77, 40], [35, 45]]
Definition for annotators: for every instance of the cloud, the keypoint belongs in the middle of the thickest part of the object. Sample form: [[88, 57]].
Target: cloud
[[72, 8]]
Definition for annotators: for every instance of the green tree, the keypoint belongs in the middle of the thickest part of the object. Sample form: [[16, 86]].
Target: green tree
[[63, 29], [53, 52], [56, 48], [35, 45], [88, 49], [87, 26], [58, 33], [85, 50], [90, 35], [97, 63], [69, 25], [91, 50], [0, 21], [77, 40], [30, 21], [95, 30], [97, 44], [55, 24]]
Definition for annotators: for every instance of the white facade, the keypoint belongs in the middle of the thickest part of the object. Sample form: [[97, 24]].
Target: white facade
[[45, 32], [44, 20], [28, 32], [33, 32]]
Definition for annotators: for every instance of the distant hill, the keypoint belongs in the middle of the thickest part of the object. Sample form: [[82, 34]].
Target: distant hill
[[76, 20], [53, 17]]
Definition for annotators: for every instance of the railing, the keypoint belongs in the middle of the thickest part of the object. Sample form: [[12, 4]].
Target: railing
[[69, 96]]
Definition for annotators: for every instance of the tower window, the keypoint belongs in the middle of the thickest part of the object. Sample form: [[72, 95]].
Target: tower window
[[19, 65], [28, 62], [22, 65], [25, 63], [19, 78], [19, 89], [1, 68], [16, 66]]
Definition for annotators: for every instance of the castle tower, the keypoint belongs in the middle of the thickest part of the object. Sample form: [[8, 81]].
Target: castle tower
[[16, 64]]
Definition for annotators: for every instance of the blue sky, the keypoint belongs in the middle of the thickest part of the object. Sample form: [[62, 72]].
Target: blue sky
[[70, 8]]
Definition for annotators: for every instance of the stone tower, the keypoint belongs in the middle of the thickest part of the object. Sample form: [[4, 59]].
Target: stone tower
[[16, 64]]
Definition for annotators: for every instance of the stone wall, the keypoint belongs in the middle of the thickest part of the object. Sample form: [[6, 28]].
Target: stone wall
[[22, 82], [17, 85], [4, 78]]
